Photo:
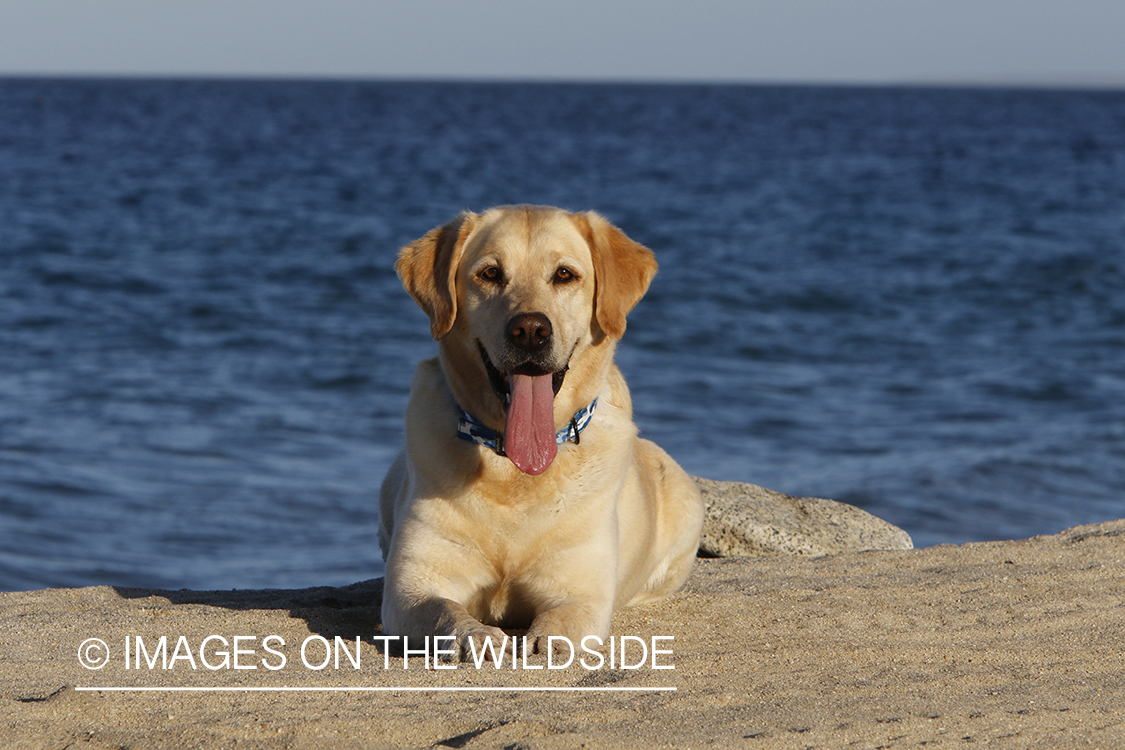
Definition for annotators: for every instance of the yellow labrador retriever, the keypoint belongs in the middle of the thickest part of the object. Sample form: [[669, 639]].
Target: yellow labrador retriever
[[524, 498]]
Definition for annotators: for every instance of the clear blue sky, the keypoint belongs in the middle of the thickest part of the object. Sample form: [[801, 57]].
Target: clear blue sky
[[850, 41]]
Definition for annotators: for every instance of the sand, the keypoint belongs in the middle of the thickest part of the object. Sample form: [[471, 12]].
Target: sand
[[1012, 644]]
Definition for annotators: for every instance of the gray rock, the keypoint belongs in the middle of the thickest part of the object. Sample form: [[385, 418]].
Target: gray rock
[[744, 520]]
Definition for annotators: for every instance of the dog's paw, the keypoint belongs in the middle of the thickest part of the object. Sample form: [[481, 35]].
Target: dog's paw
[[568, 625], [556, 648], [481, 642]]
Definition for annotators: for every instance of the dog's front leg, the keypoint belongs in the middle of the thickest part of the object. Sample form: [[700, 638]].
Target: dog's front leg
[[571, 620], [436, 616]]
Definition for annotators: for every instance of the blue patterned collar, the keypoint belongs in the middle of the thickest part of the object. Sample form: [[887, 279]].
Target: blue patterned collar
[[469, 428]]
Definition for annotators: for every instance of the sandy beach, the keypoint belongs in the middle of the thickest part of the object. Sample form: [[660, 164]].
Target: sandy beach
[[1011, 644]]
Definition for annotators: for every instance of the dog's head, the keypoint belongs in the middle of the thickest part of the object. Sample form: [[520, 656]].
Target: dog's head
[[527, 303]]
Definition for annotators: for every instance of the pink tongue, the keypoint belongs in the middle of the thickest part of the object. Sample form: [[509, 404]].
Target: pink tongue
[[529, 436]]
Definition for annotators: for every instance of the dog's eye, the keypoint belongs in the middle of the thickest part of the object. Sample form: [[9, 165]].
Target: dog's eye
[[564, 275], [491, 275]]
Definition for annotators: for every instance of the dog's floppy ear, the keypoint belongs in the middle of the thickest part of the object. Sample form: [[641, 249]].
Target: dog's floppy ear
[[428, 269], [623, 270]]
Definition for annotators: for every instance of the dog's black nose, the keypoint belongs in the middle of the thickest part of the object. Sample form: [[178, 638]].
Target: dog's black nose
[[529, 331]]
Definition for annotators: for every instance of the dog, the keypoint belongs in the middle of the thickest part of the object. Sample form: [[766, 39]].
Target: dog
[[523, 498]]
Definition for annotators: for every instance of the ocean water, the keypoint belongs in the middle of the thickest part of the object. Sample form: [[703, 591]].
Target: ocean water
[[912, 300]]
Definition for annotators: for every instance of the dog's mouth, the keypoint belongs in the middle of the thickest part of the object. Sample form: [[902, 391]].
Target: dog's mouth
[[527, 393], [501, 381]]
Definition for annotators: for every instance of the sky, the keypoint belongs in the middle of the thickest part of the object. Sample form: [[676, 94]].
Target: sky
[[1024, 42]]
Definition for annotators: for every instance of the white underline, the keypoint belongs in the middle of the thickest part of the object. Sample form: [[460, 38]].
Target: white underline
[[373, 689]]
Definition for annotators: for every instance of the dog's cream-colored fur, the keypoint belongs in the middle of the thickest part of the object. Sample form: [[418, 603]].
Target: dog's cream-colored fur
[[472, 544]]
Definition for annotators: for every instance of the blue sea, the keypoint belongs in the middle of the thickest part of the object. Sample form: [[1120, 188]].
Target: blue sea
[[911, 300]]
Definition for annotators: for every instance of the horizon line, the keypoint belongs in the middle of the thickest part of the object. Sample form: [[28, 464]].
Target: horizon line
[[1027, 82]]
